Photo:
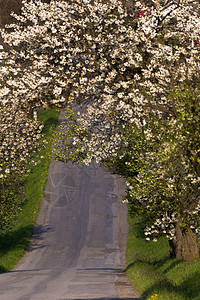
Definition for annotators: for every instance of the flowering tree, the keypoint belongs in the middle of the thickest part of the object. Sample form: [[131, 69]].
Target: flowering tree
[[143, 114], [18, 142], [18, 133], [166, 188], [123, 62]]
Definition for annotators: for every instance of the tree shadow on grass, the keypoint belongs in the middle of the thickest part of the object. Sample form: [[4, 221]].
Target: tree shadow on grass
[[157, 263], [20, 240], [161, 287], [191, 285], [189, 289], [173, 263], [51, 122], [3, 270], [11, 239]]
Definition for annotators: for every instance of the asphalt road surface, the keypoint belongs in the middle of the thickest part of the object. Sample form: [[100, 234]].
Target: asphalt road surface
[[77, 251]]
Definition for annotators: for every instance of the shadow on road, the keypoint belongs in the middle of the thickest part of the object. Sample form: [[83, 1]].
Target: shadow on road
[[105, 298]]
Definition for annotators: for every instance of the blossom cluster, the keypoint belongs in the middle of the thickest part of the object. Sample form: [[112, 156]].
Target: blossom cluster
[[18, 139]]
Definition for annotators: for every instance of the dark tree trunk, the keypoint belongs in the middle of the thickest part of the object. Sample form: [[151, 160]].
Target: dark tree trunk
[[179, 241], [172, 248]]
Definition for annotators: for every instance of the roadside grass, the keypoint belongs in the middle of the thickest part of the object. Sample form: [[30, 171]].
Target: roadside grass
[[15, 239], [153, 274]]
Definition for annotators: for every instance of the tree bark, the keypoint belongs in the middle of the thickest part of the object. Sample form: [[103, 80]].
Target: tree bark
[[179, 241], [185, 245], [190, 247]]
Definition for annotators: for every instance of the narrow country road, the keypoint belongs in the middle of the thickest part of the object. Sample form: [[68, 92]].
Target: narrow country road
[[77, 251]]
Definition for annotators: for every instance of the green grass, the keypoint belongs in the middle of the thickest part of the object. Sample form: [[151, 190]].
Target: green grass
[[151, 270], [15, 239]]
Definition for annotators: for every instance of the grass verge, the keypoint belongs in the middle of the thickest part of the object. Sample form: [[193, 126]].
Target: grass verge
[[153, 274], [15, 239]]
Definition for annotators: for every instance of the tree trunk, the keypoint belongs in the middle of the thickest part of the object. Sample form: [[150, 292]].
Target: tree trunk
[[190, 247], [185, 245], [179, 241], [172, 248]]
